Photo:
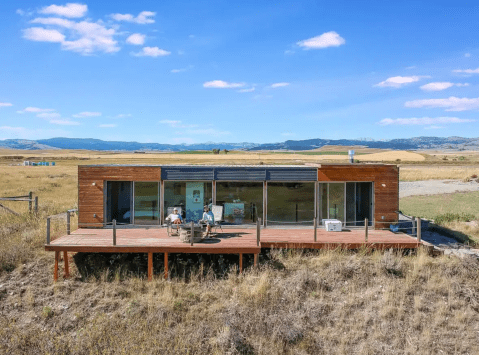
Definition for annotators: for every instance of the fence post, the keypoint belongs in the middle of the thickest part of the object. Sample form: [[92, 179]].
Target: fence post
[[413, 223], [114, 232], [192, 233], [48, 230], [366, 225], [418, 230], [315, 229], [36, 204], [68, 223], [30, 198], [258, 231]]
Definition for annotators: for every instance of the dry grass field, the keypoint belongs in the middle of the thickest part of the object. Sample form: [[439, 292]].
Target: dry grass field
[[328, 302]]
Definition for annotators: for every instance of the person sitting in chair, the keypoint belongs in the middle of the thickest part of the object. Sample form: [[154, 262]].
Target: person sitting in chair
[[175, 218], [208, 218]]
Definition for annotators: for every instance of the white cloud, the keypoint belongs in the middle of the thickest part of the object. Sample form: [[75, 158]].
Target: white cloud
[[327, 39], [467, 71], [36, 110], [151, 52], [65, 122], [279, 85], [143, 18], [40, 34], [48, 115], [27, 133], [450, 104], [5, 104], [137, 39], [434, 127], [20, 12], [87, 114], [422, 121], [220, 84], [438, 86], [107, 125], [181, 70], [398, 81], [84, 37], [247, 90], [288, 134], [71, 10], [123, 115], [177, 124]]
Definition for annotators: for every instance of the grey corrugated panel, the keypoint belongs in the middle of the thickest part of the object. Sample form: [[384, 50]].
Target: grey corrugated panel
[[187, 173], [240, 174], [292, 174]]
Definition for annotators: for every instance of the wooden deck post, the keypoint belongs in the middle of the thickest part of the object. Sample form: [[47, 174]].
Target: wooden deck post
[[30, 200], [258, 231], [418, 229], [255, 260], [66, 273], [36, 204], [315, 229], [48, 230], [68, 223], [366, 225], [241, 263], [114, 232], [192, 233], [166, 266], [150, 266], [55, 268]]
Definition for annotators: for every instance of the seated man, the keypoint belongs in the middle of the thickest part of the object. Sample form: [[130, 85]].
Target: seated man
[[175, 218], [208, 218]]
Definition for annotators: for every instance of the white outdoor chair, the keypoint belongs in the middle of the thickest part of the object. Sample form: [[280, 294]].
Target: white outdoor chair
[[218, 214], [169, 210]]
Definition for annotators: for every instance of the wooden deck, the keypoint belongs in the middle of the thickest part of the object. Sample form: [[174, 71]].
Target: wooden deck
[[229, 241]]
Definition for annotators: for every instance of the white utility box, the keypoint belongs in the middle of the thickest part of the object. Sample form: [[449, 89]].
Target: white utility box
[[332, 225]]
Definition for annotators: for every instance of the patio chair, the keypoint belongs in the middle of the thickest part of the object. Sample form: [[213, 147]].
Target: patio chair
[[218, 213], [169, 224]]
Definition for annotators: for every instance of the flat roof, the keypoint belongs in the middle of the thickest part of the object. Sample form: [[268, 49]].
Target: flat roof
[[269, 166]]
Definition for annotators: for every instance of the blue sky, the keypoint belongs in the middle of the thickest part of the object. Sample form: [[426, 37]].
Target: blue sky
[[238, 71]]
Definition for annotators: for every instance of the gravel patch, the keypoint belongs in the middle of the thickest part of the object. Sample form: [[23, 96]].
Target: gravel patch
[[435, 187]]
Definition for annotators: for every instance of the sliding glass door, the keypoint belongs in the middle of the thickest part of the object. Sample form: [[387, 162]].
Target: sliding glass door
[[147, 207], [118, 206]]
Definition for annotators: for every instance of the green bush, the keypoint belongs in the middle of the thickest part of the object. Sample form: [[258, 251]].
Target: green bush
[[452, 217]]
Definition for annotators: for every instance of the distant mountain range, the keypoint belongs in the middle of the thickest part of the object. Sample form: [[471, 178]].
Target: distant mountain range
[[455, 143]]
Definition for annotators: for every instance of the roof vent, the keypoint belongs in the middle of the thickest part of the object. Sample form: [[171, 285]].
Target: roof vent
[[351, 156]]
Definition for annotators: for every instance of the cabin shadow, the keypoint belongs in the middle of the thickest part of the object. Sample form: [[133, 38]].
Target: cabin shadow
[[182, 266]]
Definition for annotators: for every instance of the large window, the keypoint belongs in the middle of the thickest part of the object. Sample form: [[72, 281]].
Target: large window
[[146, 203], [291, 202], [242, 201], [118, 206], [189, 196]]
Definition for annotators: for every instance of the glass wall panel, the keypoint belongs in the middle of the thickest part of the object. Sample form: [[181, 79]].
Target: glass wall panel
[[146, 203], [118, 198], [189, 196], [336, 201], [364, 202], [290, 202], [323, 190], [350, 203], [242, 201]]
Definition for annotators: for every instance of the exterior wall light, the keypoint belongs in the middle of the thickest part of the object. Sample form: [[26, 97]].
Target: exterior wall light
[[93, 183], [94, 215]]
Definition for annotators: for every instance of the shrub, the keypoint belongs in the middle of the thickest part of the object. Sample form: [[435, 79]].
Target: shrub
[[454, 217]]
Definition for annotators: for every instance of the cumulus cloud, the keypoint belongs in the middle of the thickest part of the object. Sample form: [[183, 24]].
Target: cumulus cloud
[[398, 81], [48, 115], [35, 110], [71, 10], [466, 71], [327, 39], [65, 122], [143, 18], [423, 121], [177, 124], [107, 125], [279, 85], [84, 37], [87, 114], [450, 104], [151, 52], [438, 86], [5, 104], [137, 39], [220, 84], [247, 90]]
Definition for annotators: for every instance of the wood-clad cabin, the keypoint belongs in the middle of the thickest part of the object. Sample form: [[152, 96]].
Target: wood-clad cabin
[[279, 195]]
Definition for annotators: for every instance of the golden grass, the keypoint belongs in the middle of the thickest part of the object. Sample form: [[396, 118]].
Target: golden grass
[[435, 172]]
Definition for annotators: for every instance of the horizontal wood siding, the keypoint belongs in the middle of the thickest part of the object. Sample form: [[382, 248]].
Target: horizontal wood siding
[[91, 197], [386, 186]]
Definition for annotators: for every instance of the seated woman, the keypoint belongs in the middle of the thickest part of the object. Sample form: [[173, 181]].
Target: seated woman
[[208, 218], [175, 218]]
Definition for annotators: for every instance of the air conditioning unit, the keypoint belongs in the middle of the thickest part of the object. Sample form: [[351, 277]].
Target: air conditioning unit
[[332, 225]]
